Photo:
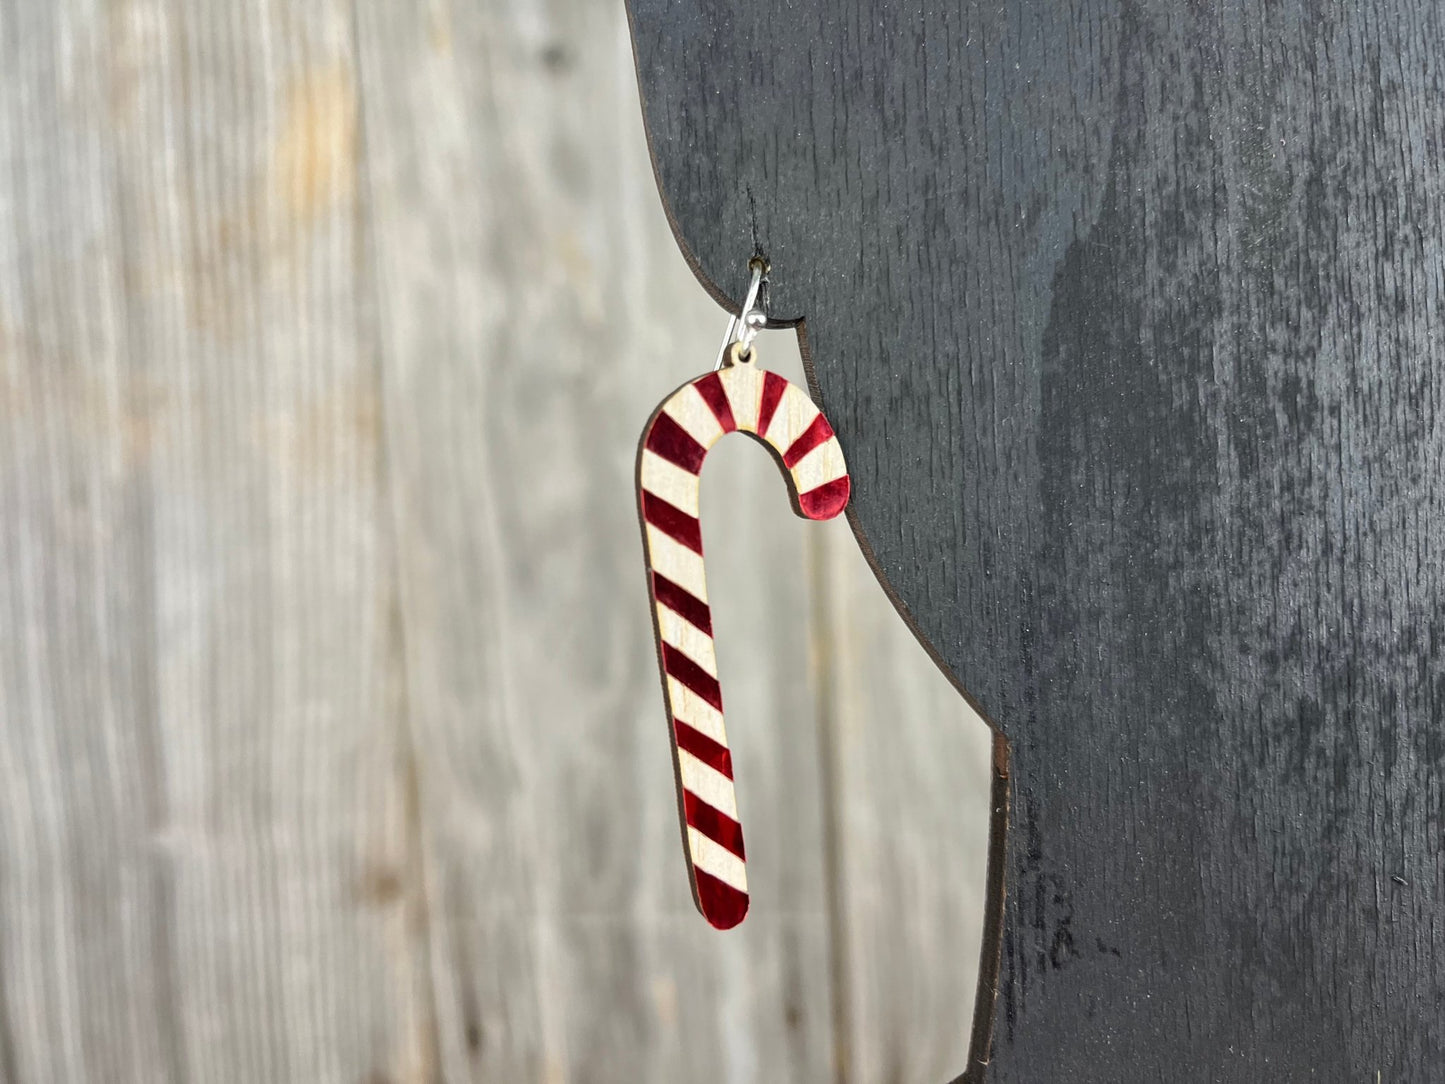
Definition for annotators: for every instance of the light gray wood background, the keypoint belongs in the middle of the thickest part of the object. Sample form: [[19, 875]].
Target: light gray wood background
[[331, 741]]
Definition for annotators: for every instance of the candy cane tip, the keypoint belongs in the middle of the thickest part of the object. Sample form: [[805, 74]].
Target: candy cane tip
[[720, 903], [826, 500]]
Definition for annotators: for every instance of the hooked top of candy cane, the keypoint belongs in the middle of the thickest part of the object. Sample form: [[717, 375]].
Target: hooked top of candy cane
[[756, 401]]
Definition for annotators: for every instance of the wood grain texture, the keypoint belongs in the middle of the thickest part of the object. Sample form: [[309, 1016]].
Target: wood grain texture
[[1127, 313], [564, 943], [197, 764], [906, 765]]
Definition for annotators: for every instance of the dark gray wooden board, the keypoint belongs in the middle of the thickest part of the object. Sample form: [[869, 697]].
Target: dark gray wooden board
[[1129, 315]]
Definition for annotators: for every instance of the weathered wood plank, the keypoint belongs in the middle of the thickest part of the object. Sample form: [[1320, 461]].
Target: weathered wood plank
[[196, 756], [909, 765], [547, 797]]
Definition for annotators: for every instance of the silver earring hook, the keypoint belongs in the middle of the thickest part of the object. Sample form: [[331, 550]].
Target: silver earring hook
[[753, 318]]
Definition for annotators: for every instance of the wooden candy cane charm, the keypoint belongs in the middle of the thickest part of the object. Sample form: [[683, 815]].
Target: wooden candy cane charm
[[738, 397]]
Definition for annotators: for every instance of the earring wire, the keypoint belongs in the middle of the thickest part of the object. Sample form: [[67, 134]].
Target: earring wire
[[753, 318]]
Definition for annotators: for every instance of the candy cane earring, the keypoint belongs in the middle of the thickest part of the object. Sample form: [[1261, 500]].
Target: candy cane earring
[[736, 396]]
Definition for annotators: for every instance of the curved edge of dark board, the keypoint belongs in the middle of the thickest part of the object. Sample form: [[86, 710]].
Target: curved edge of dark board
[[995, 879], [716, 292], [985, 1004], [995, 887]]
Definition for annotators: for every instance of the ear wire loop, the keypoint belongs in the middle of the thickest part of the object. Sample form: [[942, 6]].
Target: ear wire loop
[[753, 318]]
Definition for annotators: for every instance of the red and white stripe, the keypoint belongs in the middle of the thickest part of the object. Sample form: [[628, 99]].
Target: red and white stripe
[[676, 441]]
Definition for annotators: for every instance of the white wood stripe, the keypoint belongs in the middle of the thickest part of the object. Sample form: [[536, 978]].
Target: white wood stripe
[[676, 562], [687, 638], [794, 414], [716, 859], [676, 486], [708, 783], [689, 409], [823, 464], [695, 711], [744, 387]]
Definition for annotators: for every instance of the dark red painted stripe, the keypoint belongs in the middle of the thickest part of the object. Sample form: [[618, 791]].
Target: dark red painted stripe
[[807, 440], [773, 388], [692, 675], [711, 753], [713, 823], [682, 602], [713, 393], [672, 521], [675, 444], [720, 903], [826, 500]]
